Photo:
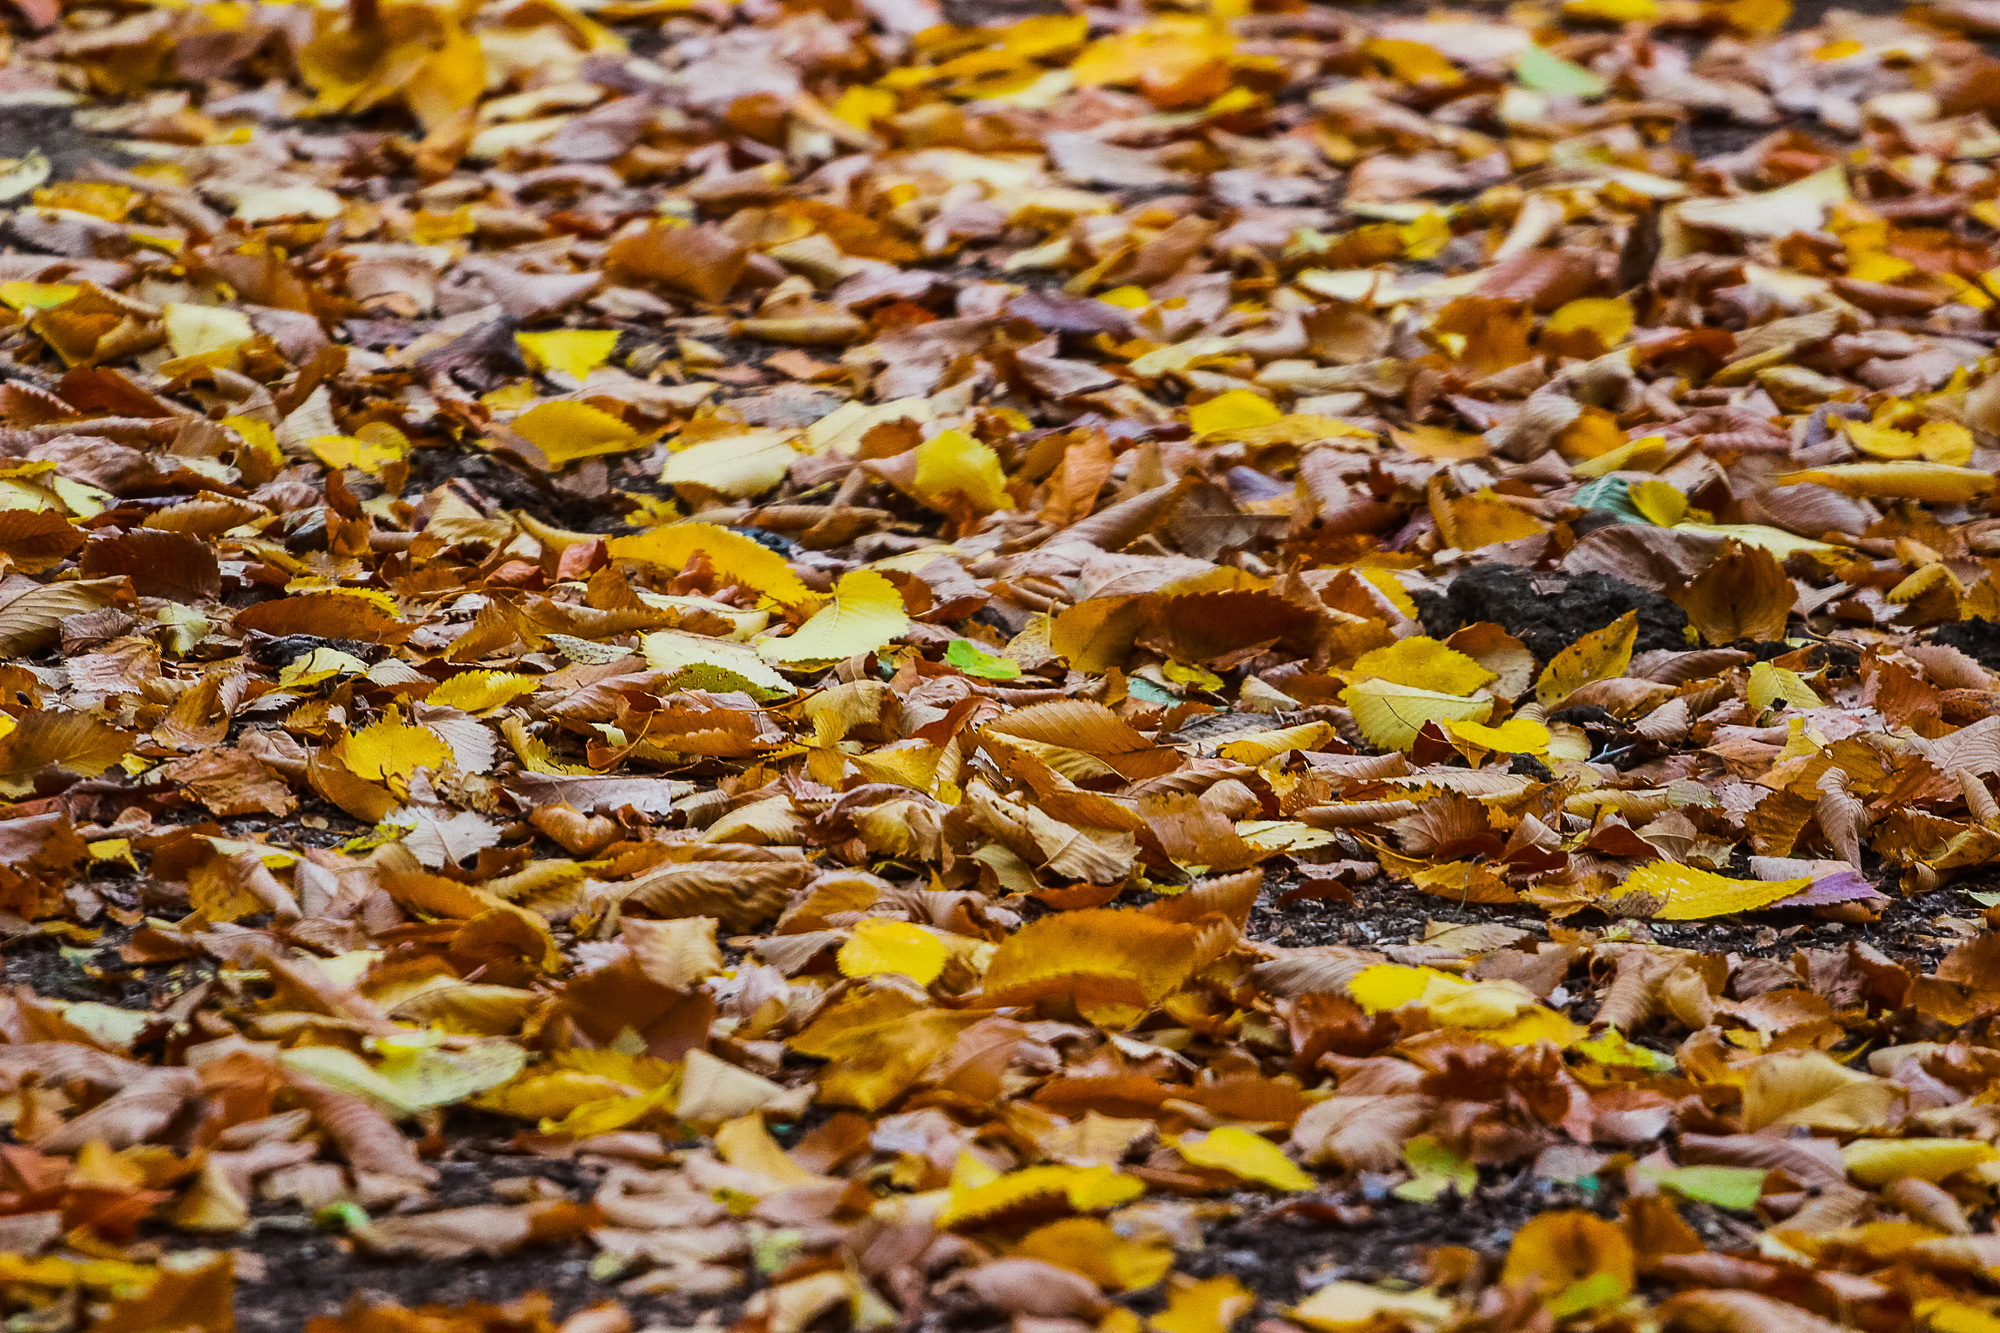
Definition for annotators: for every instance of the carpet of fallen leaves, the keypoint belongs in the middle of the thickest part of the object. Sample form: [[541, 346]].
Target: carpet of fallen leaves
[[842, 665]]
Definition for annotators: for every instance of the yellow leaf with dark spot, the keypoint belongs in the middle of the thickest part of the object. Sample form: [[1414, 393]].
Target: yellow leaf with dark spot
[[568, 431], [573, 352], [1689, 894], [1602, 654], [736, 558]]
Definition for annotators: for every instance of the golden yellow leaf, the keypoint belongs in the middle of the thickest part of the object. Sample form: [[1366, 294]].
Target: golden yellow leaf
[[568, 431], [1613, 11], [1424, 664], [954, 470], [1602, 654], [736, 558], [878, 1044], [1517, 735], [1589, 326], [1659, 501], [1557, 1251], [1090, 1246], [1934, 483], [1744, 593], [393, 750], [1237, 409], [1101, 960], [573, 352], [980, 1194], [482, 691], [1245, 1155], [1876, 1162], [1212, 1305], [1466, 881], [367, 453], [877, 945], [1689, 894], [866, 614], [1472, 521]]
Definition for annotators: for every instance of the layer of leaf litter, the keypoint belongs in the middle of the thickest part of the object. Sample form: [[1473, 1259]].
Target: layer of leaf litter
[[1155, 669]]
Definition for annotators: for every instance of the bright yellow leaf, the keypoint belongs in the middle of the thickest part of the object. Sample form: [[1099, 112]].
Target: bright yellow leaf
[[1769, 684], [568, 431], [37, 295], [1661, 502], [1875, 1162], [979, 1194], [1517, 735], [479, 691], [370, 453], [735, 557], [394, 750], [1422, 663], [1245, 1155], [866, 614], [1237, 409], [1691, 894], [878, 945], [1212, 1305], [954, 469], [1602, 322], [574, 352]]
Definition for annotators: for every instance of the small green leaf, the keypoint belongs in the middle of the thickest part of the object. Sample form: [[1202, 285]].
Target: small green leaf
[[973, 660], [1541, 72], [1435, 1169], [1612, 495], [341, 1215], [1595, 1290], [1736, 1188]]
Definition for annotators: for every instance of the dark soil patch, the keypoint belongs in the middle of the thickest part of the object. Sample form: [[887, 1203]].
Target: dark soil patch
[[53, 130], [512, 487], [308, 1271], [1549, 610], [1283, 1250], [1977, 639], [52, 967], [1388, 912]]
